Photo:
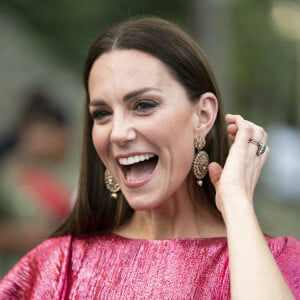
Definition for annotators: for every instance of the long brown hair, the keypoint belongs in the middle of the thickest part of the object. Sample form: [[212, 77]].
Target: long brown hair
[[95, 211]]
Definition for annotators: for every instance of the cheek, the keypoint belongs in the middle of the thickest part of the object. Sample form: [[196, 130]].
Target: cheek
[[161, 129], [183, 153], [101, 142], [173, 130], [179, 139], [175, 140]]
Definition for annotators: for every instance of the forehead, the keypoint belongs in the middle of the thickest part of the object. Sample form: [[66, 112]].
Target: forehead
[[127, 69]]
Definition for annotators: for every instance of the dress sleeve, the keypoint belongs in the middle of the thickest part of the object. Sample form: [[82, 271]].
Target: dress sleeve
[[40, 274], [287, 255]]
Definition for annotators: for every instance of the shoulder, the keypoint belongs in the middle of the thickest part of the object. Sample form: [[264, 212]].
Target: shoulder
[[286, 251], [284, 246], [53, 249], [40, 272]]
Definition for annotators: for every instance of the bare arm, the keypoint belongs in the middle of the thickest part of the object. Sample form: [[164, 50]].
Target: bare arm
[[254, 273]]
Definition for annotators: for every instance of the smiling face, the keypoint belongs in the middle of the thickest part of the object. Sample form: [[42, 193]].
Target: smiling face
[[143, 126]]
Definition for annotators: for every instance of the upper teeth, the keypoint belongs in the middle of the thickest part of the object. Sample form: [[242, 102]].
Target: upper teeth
[[125, 161]]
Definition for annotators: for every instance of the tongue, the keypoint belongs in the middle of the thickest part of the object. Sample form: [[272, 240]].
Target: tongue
[[141, 170]]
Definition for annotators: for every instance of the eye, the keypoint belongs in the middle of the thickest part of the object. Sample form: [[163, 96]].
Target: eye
[[100, 114], [145, 105]]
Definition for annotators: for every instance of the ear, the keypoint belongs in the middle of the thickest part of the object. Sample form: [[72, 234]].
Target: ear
[[205, 113]]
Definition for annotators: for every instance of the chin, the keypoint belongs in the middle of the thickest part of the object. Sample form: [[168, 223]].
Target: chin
[[143, 204]]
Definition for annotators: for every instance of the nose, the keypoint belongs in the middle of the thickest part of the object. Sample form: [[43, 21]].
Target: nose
[[122, 131]]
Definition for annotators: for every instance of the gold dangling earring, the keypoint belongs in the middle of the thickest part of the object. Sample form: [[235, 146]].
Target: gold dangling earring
[[201, 160], [111, 184]]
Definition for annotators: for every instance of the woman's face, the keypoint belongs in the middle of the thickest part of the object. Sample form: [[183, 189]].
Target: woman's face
[[143, 126]]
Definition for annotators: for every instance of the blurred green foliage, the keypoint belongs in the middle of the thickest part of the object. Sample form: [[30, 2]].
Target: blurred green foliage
[[263, 65], [68, 27]]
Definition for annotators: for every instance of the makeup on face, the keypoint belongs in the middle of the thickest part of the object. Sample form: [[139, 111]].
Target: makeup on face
[[143, 126]]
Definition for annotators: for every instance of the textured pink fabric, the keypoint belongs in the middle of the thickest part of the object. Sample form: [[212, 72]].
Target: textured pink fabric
[[113, 267]]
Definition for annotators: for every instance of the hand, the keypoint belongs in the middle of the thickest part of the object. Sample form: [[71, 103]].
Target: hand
[[235, 183]]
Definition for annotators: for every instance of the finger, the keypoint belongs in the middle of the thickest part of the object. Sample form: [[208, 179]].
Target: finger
[[257, 167], [232, 137], [240, 131], [244, 130], [230, 118], [215, 171], [265, 156], [256, 160], [232, 129], [258, 134]]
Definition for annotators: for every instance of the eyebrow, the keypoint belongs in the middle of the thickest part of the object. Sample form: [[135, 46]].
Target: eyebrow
[[139, 92], [127, 96]]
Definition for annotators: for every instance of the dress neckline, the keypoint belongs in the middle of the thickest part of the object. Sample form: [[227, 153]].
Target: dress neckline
[[176, 239]]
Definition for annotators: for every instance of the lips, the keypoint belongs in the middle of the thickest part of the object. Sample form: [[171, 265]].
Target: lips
[[138, 169]]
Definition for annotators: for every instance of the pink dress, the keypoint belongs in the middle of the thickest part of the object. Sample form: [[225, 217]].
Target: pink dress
[[112, 267]]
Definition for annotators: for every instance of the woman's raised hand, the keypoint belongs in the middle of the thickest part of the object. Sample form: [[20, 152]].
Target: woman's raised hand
[[235, 183]]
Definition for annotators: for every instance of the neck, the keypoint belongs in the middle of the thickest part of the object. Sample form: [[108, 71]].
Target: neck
[[182, 219]]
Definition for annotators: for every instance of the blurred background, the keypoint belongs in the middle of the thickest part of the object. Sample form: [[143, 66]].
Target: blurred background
[[253, 46]]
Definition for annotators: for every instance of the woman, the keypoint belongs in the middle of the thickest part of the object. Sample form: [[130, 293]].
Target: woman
[[149, 223]]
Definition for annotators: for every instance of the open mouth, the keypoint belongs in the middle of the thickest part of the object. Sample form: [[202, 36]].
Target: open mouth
[[138, 168]]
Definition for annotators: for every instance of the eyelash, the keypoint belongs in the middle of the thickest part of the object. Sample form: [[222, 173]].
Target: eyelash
[[142, 106], [99, 114]]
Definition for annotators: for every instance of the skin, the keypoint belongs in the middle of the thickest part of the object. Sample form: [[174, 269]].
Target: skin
[[163, 202], [163, 207], [253, 271]]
